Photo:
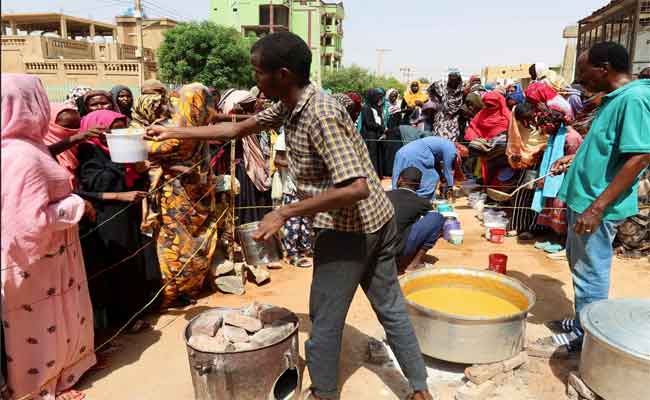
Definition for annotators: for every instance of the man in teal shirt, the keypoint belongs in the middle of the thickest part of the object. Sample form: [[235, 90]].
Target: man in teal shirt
[[600, 187]]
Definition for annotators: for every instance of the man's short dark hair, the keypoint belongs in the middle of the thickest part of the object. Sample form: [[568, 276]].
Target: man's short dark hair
[[610, 53], [411, 175], [284, 50]]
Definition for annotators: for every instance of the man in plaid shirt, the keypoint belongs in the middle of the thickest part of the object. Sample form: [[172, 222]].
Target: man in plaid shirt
[[356, 236]]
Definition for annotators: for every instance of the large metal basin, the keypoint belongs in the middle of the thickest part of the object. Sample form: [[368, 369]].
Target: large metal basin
[[267, 373], [468, 340], [615, 359]]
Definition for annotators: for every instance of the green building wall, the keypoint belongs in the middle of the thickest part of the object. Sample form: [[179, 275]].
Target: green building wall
[[318, 23]]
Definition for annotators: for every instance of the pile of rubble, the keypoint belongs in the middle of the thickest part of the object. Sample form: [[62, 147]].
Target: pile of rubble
[[252, 327]]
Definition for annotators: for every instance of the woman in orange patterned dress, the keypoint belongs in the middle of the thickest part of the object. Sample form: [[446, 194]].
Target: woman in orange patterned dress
[[184, 214]]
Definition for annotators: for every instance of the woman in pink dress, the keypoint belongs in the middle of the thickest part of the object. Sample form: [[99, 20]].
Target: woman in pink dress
[[46, 312]]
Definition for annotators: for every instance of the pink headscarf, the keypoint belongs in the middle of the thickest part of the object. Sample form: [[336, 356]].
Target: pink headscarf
[[25, 109], [491, 120], [104, 119], [539, 92], [57, 133]]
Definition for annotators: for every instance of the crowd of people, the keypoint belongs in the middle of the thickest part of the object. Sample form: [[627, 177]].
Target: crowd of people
[[87, 242]]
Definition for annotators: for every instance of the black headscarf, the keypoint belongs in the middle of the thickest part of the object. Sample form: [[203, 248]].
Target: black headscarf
[[115, 92]]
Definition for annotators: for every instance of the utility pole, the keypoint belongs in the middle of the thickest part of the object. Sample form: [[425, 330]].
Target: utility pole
[[380, 60], [137, 12]]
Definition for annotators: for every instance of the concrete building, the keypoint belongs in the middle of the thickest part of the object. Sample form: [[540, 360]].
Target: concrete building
[[66, 51], [318, 22], [153, 31], [494, 73], [567, 69], [623, 21]]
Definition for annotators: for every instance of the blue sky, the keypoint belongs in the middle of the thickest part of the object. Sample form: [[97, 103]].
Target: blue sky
[[427, 35]]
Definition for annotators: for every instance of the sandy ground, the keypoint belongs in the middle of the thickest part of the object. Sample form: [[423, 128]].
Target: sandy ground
[[154, 365]]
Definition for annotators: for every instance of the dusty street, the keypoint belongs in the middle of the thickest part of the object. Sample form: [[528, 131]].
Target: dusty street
[[154, 365]]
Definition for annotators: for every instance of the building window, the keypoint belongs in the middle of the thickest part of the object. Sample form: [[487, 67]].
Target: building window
[[328, 41], [280, 15], [645, 6]]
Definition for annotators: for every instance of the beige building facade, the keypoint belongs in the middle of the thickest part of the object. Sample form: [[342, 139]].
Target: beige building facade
[[66, 51]]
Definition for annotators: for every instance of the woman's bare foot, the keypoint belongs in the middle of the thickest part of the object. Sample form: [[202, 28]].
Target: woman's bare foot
[[71, 395]]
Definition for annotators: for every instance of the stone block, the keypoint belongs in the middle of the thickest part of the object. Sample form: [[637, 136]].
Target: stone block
[[208, 344], [259, 273], [225, 268], [234, 334], [207, 324], [249, 324], [580, 387], [483, 372], [230, 284], [252, 310], [269, 336], [515, 362]]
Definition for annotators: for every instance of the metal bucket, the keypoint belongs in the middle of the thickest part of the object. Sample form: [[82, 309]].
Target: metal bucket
[[267, 373], [615, 358], [461, 339], [258, 252]]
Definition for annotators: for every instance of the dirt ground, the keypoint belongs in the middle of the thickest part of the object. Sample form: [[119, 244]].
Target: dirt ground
[[154, 365]]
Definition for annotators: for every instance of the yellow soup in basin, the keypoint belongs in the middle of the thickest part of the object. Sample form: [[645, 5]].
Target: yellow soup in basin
[[465, 302]]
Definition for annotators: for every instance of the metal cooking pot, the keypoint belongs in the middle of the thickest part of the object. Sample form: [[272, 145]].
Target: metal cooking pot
[[267, 373], [258, 252], [615, 359], [468, 340]]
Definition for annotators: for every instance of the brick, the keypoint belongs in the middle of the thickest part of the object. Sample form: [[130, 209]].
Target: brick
[[249, 324], [472, 391], [269, 336], [580, 387], [259, 273], [515, 362], [483, 372], [230, 284], [234, 334], [208, 344], [207, 324]]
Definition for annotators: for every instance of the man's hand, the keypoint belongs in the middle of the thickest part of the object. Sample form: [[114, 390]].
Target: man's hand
[[562, 165], [158, 133], [589, 221], [270, 225], [89, 211]]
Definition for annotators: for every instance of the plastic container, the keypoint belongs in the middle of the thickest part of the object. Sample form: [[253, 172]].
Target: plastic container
[[450, 224], [456, 236], [497, 235], [498, 263], [127, 145], [445, 208], [500, 224]]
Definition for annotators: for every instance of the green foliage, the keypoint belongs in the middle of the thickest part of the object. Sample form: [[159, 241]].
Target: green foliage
[[424, 81], [357, 79], [208, 53]]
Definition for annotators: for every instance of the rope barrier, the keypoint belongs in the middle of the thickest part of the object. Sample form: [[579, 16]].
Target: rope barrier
[[138, 313]]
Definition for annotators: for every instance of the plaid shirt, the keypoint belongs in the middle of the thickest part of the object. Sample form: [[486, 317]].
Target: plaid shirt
[[324, 150]]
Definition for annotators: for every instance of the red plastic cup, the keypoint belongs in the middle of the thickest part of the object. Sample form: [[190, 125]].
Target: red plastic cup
[[497, 235], [498, 263]]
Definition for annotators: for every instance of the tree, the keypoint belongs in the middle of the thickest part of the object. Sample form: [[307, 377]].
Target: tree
[[357, 79], [424, 81], [208, 53]]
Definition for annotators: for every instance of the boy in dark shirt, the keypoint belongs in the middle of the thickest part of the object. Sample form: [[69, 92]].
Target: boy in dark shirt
[[418, 226]]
